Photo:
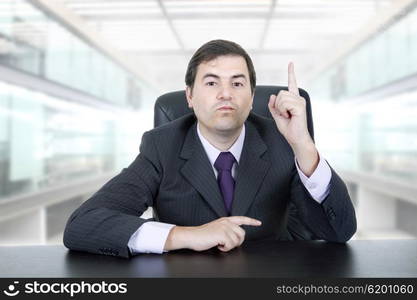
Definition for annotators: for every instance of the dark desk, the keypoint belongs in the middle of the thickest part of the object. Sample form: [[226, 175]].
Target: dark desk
[[312, 259]]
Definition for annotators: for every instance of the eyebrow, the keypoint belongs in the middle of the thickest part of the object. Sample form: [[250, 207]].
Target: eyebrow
[[218, 77]]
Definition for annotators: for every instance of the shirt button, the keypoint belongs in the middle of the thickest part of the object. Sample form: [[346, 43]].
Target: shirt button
[[313, 185]]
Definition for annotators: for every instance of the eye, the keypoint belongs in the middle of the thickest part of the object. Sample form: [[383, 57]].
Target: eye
[[238, 84], [210, 83]]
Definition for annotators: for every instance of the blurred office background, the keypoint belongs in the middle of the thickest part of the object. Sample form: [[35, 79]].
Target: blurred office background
[[78, 80]]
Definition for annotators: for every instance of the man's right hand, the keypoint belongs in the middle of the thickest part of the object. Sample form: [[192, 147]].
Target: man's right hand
[[225, 233]]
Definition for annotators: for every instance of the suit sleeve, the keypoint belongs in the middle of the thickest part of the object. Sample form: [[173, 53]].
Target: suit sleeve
[[106, 221], [333, 220]]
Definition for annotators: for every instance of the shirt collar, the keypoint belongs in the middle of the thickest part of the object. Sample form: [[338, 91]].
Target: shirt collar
[[213, 152]]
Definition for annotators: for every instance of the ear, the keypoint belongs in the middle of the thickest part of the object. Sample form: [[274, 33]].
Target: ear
[[188, 94]]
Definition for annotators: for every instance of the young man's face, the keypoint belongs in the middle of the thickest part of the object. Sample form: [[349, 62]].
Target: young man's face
[[221, 97]]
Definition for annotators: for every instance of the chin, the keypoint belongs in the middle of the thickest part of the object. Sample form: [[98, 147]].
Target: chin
[[227, 126]]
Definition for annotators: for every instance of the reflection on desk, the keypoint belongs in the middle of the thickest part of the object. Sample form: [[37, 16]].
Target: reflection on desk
[[300, 259]]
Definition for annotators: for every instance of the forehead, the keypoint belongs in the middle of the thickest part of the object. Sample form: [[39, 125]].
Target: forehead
[[224, 66]]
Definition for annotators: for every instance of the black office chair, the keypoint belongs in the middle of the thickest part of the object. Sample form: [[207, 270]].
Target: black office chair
[[173, 105]]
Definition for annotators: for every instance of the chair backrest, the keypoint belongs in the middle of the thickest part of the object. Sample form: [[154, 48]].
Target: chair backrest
[[173, 105]]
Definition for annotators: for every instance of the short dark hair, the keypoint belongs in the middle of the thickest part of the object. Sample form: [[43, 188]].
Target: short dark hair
[[214, 49]]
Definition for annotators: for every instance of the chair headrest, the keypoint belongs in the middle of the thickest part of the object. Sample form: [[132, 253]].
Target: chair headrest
[[173, 105]]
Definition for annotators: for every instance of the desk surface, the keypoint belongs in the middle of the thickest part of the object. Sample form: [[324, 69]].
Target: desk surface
[[301, 259]]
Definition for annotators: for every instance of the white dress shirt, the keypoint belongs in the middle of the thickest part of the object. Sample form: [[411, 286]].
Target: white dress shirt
[[151, 236]]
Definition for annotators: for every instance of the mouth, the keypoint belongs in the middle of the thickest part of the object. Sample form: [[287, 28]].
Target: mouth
[[226, 108]]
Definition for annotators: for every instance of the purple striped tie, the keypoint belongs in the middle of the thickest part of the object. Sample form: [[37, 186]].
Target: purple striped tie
[[223, 165]]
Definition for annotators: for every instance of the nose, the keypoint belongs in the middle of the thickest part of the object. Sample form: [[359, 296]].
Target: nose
[[225, 93]]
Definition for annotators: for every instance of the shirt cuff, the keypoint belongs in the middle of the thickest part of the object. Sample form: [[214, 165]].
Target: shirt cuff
[[149, 238], [318, 184]]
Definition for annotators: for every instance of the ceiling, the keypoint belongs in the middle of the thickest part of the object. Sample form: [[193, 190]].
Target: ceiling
[[163, 34]]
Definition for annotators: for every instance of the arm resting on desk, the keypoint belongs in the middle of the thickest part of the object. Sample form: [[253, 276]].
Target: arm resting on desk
[[333, 220], [105, 222]]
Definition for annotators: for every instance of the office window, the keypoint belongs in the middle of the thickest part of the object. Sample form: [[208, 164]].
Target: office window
[[412, 35], [58, 56], [46, 141], [37, 43]]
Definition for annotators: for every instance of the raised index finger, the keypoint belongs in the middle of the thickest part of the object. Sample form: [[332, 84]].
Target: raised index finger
[[242, 220], [292, 83]]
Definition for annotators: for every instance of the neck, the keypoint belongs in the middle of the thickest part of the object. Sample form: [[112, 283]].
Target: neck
[[221, 140]]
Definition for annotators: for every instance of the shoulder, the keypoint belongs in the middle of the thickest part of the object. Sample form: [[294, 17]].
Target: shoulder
[[267, 129], [263, 125], [178, 126], [171, 133]]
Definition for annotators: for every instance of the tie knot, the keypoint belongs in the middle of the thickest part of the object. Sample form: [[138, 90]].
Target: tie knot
[[224, 161]]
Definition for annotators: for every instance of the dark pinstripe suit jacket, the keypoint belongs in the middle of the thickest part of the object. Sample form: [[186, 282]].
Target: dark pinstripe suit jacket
[[172, 174]]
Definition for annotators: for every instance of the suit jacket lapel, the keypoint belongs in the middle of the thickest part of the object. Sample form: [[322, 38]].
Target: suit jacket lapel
[[199, 172], [252, 169]]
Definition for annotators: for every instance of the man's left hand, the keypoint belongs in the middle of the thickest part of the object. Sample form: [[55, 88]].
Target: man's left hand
[[288, 109]]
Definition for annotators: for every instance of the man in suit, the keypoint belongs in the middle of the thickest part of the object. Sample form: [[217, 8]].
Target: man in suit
[[221, 175]]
